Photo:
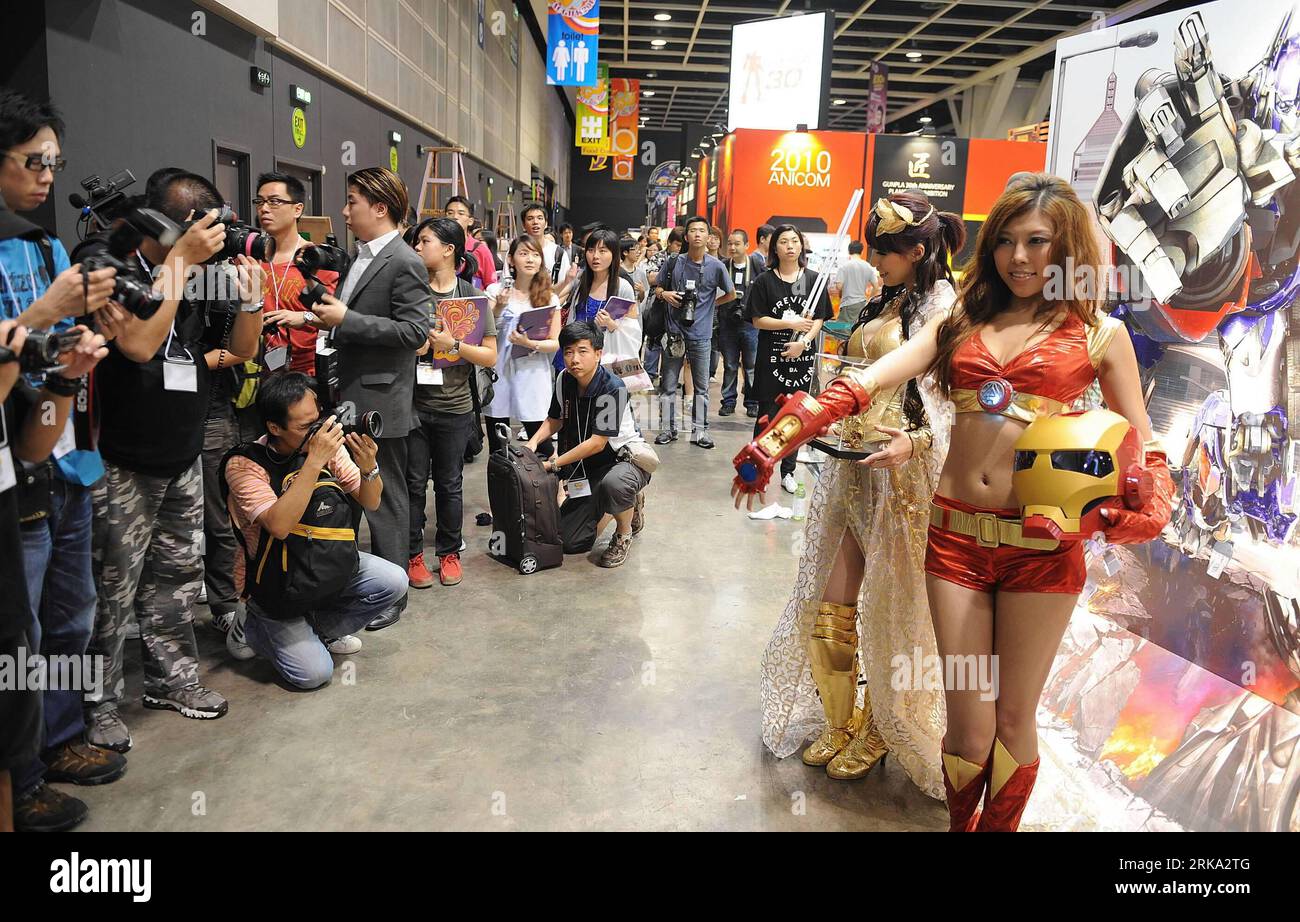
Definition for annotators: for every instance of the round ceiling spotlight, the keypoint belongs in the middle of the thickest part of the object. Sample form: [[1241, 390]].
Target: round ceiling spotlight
[[658, 42], [838, 102], [914, 55], [925, 120], [647, 93], [663, 17]]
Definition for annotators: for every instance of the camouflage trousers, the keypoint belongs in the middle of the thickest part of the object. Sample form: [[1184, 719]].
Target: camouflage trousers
[[148, 564]]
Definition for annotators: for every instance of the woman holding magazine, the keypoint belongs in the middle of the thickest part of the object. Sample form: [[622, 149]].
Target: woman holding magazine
[[444, 405], [596, 287], [522, 302]]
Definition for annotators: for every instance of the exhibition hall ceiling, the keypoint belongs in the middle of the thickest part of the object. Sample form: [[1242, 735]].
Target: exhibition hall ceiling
[[933, 48]]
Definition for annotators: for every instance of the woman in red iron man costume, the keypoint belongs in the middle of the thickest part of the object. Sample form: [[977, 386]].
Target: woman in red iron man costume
[[1013, 349], [870, 516]]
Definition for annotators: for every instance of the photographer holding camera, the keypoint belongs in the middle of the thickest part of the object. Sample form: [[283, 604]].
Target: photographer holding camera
[[308, 587], [41, 292], [379, 319], [290, 338], [692, 295], [155, 391]]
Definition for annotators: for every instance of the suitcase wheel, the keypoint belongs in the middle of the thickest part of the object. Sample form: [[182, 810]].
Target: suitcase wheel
[[528, 564]]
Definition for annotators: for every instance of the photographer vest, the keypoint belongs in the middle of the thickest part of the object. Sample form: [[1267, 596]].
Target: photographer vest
[[319, 556]]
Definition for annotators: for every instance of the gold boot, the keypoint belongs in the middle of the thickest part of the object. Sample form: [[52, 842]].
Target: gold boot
[[868, 748], [831, 649]]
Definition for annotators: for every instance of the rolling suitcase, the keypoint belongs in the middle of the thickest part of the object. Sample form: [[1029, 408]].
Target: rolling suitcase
[[525, 510]]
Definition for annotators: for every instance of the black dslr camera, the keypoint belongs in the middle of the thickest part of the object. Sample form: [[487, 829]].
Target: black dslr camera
[[690, 300], [311, 259], [41, 351], [241, 239]]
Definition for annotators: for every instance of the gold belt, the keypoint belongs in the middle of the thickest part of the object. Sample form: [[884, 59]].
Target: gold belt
[[987, 529], [1023, 407]]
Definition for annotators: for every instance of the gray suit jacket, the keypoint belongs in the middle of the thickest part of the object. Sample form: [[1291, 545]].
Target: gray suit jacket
[[387, 320]]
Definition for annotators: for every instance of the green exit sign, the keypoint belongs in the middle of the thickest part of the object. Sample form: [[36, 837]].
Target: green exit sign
[[260, 76], [300, 95]]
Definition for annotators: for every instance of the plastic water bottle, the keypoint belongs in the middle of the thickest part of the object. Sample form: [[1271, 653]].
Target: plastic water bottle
[[800, 503]]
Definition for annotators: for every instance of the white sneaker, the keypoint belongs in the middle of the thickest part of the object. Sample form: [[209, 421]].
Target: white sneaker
[[789, 484], [236, 644], [342, 646], [774, 511], [522, 435]]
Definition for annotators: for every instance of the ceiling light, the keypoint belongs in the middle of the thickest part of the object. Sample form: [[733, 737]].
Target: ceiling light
[[695, 155], [663, 17], [914, 55], [651, 74], [925, 120], [718, 132], [647, 93], [838, 102], [658, 42]]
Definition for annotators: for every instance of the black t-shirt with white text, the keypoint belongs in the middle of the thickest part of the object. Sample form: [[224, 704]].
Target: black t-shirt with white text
[[771, 296]]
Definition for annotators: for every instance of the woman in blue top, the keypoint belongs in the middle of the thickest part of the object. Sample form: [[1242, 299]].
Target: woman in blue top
[[597, 285]]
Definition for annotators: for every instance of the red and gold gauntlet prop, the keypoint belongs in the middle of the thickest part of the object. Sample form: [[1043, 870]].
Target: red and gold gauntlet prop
[[1144, 512], [799, 419]]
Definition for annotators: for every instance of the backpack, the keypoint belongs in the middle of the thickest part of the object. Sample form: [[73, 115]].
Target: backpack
[[655, 322], [317, 559]]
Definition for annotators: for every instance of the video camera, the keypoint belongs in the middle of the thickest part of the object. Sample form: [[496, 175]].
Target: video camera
[[106, 201], [137, 223], [41, 350]]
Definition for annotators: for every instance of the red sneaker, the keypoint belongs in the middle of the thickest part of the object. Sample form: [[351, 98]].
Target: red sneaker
[[449, 569], [417, 574]]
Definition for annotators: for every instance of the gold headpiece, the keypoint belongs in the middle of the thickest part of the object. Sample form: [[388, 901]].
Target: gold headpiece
[[895, 218]]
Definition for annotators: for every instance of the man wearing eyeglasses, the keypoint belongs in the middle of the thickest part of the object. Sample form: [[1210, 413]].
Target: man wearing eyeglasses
[[39, 290]]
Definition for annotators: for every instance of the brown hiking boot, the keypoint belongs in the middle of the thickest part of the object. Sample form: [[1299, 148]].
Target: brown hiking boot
[[47, 810], [616, 553], [638, 514], [80, 763]]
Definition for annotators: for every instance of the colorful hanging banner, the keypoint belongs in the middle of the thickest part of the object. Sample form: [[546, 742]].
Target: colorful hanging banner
[[877, 97], [572, 38], [593, 116], [624, 109]]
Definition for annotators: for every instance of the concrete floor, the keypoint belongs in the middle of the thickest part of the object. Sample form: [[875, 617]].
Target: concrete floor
[[576, 698]]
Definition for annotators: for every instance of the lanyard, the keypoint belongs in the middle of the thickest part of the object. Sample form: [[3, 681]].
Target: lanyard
[[582, 464], [167, 349], [275, 283]]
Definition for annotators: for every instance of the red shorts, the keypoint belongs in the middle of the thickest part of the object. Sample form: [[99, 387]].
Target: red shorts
[[960, 559]]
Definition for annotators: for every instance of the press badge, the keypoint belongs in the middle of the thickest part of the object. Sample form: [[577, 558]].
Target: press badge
[[8, 477], [578, 488], [275, 358], [427, 374], [180, 376], [67, 441]]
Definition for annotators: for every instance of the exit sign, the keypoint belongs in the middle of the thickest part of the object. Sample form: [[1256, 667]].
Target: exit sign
[[260, 77]]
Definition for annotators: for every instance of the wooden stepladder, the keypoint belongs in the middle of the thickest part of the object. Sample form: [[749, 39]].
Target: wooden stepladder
[[455, 183], [507, 228]]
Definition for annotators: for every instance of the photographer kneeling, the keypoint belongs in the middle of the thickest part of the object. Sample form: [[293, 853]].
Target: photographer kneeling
[[308, 587], [602, 455]]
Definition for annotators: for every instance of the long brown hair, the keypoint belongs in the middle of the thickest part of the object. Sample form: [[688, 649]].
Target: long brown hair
[[984, 295], [942, 234], [539, 290]]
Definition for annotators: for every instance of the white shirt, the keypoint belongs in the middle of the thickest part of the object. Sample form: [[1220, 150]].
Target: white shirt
[[549, 252], [366, 253]]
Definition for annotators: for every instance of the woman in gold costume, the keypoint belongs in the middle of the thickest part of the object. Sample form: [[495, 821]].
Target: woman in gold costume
[[870, 518]]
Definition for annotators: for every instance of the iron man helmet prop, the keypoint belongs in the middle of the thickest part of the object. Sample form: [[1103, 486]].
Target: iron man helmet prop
[[1068, 466]]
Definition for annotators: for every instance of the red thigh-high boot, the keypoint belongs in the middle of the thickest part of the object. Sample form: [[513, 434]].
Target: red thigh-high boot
[[1010, 784], [963, 782]]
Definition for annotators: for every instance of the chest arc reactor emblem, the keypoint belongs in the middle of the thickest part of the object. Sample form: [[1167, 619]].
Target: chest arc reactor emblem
[[995, 395]]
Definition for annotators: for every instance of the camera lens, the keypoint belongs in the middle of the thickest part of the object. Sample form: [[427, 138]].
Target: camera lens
[[372, 424]]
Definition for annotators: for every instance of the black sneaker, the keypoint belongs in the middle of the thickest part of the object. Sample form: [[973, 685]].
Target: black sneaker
[[664, 438], [751, 412], [727, 409], [46, 809]]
